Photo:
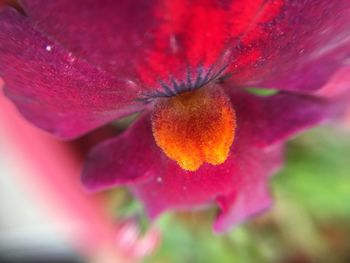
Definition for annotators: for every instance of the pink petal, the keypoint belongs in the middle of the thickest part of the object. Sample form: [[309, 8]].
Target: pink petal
[[338, 86]]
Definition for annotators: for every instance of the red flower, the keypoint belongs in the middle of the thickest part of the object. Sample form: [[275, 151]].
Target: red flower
[[73, 66]]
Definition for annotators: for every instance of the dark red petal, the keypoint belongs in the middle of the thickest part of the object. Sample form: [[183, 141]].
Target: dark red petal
[[134, 158], [111, 34], [54, 88], [251, 195], [284, 44], [136, 161], [272, 119], [247, 201], [297, 48], [177, 189], [123, 160]]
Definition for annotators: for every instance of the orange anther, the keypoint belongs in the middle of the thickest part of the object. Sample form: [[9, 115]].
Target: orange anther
[[195, 127]]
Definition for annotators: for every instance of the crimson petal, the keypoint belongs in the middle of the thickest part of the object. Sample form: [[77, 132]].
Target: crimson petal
[[54, 88], [251, 195], [297, 48], [284, 44], [243, 173], [161, 183], [110, 34], [134, 160], [124, 159], [272, 119]]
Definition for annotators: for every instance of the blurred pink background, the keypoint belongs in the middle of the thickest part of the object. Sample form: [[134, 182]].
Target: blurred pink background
[[45, 212]]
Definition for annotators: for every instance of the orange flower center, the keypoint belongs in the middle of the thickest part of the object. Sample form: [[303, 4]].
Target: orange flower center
[[195, 127]]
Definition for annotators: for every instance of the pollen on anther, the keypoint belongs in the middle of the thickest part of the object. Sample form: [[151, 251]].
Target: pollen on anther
[[195, 127]]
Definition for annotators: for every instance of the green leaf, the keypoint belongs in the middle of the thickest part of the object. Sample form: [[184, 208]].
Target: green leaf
[[262, 92]]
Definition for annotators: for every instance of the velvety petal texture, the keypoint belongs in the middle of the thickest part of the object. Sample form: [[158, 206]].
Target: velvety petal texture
[[239, 185], [113, 35], [72, 66], [122, 160], [250, 195], [268, 120], [52, 87], [119, 51], [164, 184], [298, 49], [284, 44]]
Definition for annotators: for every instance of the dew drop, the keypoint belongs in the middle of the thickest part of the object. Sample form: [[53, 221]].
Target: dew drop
[[48, 48], [71, 58], [131, 84], [173, 44]]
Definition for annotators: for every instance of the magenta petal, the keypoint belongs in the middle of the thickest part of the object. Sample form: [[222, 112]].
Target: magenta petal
[[111, 34], [291, 45], [272, 119], [52, 87], [338, 86], [235, 208], [122, 160], [72, 66], [298, 50], [178, 189], [175, 188], [134, 160], [251, 195]]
